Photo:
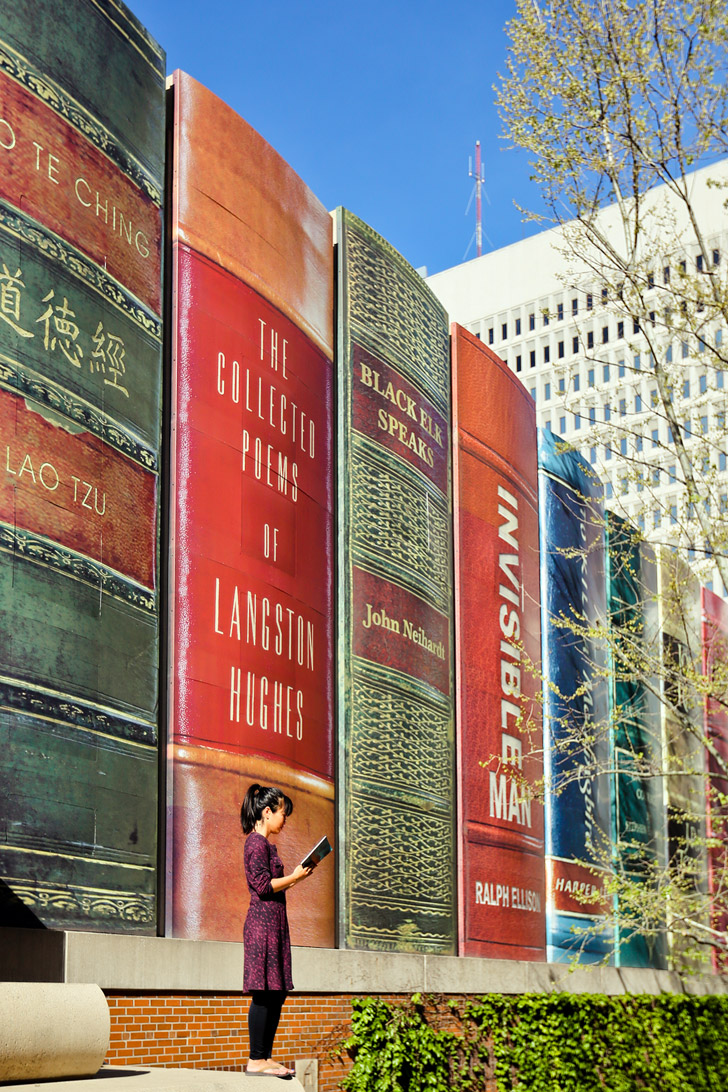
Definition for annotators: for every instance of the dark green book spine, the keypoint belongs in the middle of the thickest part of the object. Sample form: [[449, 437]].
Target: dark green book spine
[[81, 218], [396, 748]]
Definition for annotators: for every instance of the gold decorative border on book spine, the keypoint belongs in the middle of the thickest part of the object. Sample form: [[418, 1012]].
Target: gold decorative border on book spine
[[26, 700], [88, 903], [42, 551], [51, 246], [14, 65], [19, 380]]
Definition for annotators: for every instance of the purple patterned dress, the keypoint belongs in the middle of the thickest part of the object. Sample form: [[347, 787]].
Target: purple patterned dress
[[267, 943]]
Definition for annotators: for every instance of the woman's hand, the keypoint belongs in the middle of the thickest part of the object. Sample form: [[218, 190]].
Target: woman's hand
[[284, 882]]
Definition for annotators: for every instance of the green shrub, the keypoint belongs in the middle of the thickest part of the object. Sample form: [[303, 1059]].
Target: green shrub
[[539, 1043]]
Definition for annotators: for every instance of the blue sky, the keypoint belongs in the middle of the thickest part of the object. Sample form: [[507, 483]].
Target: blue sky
[[377, 105]]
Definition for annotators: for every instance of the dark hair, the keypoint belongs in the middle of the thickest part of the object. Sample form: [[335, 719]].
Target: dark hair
[[257, 799]]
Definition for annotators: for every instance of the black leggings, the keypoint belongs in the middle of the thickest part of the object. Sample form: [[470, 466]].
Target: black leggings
[[263, 1016]]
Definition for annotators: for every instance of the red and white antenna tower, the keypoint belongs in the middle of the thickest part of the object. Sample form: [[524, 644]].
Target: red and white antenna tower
[[477, 174]]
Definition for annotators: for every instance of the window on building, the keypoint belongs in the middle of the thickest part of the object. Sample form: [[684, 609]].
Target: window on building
[[716, 257], [589, 301], [684, 349], [590, 377], [686, 428], [656, 518], [590, 340], [577, 421], [546, 317], [672, 473], [562, 425], [620, 330], [592, 415], [652, 318], [635, 326], [518, 327], [655, 437], [703, 383], [532, 358], [592, 455], [607, 411], [656, 476], [560, 312], [575, 306], [673, 513], [562, 385], [623, 446], [704, 426], [620, 369], [638, 403], [668, 354], [666, 274], [605, 335], [504, 331], [723, 503], [623, 486], [605, 373], [722, 460], [641, 522], [650, 280], [561, 350], [623, 407], [575, 345], [491, 335], [577, 382], [683, 265], [548, 425], [718, 337], [638, 443], [637, 362], [547, 392], [532, 321], [532, 392], [546, 354], [699, 263], [608, 488], [518, 363], [653, 397]]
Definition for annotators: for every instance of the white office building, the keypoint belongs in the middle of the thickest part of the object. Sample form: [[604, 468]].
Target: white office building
[[561, 328]]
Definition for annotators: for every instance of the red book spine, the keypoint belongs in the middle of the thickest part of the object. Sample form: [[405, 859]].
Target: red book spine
[[497, 625], [252, 518]]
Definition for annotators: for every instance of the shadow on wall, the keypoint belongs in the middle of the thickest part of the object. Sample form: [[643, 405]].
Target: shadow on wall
[[13, 911]]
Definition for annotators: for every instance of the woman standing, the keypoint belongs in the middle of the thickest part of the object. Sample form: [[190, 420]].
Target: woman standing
[[267, 955]]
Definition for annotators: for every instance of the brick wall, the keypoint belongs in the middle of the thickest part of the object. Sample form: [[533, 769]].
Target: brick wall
[[210, 1031]]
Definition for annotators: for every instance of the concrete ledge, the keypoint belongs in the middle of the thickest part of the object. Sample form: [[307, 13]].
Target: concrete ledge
[[142, 1079], [156, 964], [51, 1030]]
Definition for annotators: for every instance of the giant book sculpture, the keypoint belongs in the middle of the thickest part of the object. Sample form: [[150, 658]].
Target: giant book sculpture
[[575, 697], [81, 181], [638, 812], [396, 748], [679, 637], [715, 658], [251, 674], [502, 903]]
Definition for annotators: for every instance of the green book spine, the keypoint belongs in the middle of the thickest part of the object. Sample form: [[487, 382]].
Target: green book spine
[[396, 748], [82, 121]]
